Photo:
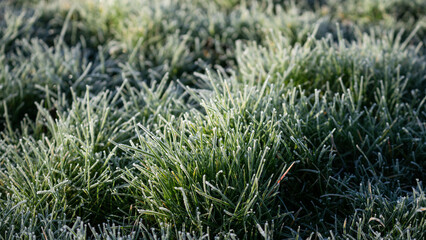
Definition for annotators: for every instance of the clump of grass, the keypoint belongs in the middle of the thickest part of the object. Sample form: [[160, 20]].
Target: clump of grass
[[70, 161], [388, 63], [397, 214], [36, 70], [217, 169], [69, 169], [349, 132]]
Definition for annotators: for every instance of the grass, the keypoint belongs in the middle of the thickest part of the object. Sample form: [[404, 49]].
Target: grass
[[222, 119]]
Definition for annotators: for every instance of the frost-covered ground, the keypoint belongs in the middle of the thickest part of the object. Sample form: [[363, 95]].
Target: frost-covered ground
[[228, 119]]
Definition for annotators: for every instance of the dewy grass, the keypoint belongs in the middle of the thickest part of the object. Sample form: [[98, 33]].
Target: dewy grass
[[222, 119]]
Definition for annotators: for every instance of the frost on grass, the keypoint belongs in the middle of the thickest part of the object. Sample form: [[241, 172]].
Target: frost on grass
[[212, 119]]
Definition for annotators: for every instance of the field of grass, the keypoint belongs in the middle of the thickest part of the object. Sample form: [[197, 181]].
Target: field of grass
[[222, 119]]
